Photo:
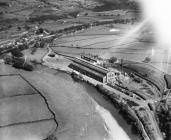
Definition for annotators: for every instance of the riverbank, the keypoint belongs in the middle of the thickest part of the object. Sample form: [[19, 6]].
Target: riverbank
[[138, 110], [55, 64], [127, 113]]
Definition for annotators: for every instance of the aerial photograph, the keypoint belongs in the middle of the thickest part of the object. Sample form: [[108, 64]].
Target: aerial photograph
[[85, 70]]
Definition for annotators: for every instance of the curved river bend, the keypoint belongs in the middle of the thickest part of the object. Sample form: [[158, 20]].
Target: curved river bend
[[122, 130]]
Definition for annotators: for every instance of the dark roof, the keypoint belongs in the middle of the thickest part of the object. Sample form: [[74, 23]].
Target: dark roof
[[81, 67], [91, 66]]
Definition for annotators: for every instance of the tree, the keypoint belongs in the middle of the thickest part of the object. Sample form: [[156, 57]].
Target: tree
[[147, 60], [9, 26], [19, 28], [74, 14], [26, 27], [40, 31], [86, 14], [111, 26], [16, 53], [51, 137], [112, 59]]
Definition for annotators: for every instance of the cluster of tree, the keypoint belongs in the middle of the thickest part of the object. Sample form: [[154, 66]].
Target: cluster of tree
[[115, 21], [164, 118], [18, 62], [112, 60], [39, 31], [167, 78], [16, 50], [21, 64], [74, 14], [26, 27], [88, 25], [129, 119], [42, 18], [17, 53], [119, 4], [4, 4], [72, 29], [123, 108], [143, 117], [7, 23], [147, 60], [51, 137]]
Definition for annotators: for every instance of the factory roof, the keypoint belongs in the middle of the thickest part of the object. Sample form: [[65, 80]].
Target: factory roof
[[81, 67], [91, 66]]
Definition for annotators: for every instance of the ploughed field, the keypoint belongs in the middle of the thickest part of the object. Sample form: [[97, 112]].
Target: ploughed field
[[106, 42], [115, 41]]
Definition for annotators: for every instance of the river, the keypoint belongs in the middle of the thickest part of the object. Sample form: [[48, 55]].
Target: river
[[122, 130]]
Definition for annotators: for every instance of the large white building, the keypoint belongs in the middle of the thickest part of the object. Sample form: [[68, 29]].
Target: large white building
[[112, 75]]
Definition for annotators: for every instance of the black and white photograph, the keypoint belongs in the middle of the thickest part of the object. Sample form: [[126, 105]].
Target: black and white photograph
[[85, 70]]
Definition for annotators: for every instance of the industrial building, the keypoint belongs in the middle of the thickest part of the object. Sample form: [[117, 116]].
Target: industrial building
[[91, 66], [89, 72], [91, 58], [93, 70], [111, 76]]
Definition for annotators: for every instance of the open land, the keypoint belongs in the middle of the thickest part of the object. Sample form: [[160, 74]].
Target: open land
[[23, 111], [40, 104]]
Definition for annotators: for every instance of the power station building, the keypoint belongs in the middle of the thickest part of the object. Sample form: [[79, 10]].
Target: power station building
[[91, 70]]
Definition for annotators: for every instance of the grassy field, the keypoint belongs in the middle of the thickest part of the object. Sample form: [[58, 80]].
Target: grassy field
[[75, 111], [100, 40], [39, 130], [14, 85], [24, 112], [23, 109], [119, 43]]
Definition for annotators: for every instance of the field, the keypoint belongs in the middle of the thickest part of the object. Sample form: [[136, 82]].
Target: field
[[31, 102], [38, 130], [116, 41], [101, 40], [74, 111], [74, 108], [13, 86], [24, 111]]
